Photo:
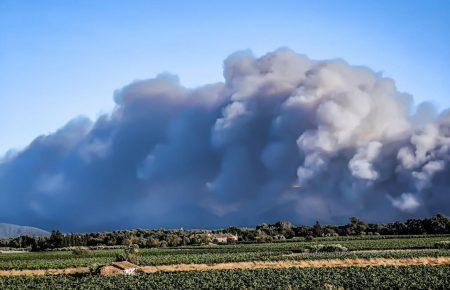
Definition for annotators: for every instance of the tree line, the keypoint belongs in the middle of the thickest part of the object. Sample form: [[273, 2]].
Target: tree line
[[282, 230]]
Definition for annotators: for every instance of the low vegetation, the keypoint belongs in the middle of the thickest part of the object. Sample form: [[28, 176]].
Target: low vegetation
[[367, 247], [281, 243], [81, 251], [442, 245], [130, 254], [325, 248], [277, 232], [382, 277]]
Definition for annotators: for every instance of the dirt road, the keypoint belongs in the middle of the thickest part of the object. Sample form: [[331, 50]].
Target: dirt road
[[34, 272], [304, 263]]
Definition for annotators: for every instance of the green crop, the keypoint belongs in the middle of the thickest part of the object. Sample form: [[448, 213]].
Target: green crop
[[382, 277], [423, 246]]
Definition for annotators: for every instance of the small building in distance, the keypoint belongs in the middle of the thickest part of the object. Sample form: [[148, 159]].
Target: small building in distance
[[119, 268], [224, 238]]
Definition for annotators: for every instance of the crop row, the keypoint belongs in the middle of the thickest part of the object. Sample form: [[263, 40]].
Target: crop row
[[149, 258], [382, 277], [226, 253], [351, 244], [420, 242]]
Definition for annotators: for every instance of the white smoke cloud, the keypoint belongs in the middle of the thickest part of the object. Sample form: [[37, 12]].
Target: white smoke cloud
[[405, 202], [228, 153], [361, 164]]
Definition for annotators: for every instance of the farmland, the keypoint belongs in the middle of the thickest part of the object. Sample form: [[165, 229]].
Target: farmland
[[358, 248], [288, 252], [407, 277]]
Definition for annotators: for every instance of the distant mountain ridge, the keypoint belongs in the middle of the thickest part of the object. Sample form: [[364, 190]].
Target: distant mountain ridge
[[11, 231]]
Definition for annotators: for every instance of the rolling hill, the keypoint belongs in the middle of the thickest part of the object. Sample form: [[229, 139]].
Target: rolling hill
[[10, 231]]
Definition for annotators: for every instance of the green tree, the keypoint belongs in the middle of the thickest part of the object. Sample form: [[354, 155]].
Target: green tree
[[357, 226], [317, 229], [56, 239], [130, 254]]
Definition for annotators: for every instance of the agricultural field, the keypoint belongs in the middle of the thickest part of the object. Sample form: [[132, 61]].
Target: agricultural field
[[381, 277], [357, 248], [421, 263]]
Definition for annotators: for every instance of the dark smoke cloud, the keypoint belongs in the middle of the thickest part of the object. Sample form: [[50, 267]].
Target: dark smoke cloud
[[285, 137]]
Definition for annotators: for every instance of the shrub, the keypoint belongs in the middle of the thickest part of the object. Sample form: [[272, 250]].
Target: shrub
[[279, 238], [309, 238], [120, 257], [130, 254], [326, 248], [442, 245], [152, 243], [81, 251], [94, 268], [328, 286]]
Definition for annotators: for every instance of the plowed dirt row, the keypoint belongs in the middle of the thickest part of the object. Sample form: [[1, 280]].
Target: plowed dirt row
[[304, 263]]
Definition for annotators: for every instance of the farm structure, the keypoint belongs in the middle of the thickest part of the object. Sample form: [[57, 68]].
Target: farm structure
[[224, 238], [119, 268]]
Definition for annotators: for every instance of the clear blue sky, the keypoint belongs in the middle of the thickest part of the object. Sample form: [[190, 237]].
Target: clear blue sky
[[60, 59]]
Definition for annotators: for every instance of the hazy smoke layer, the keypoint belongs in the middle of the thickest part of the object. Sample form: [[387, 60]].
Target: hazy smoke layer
[[284, 137]]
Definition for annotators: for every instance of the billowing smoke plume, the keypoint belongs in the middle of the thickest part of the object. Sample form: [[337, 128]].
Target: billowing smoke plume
[[284, 137]]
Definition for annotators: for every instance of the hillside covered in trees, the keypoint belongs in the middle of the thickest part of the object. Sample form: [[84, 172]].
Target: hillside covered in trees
[[439, 224]]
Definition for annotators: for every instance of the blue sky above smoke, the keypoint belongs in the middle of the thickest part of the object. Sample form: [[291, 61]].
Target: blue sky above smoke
[[61, 59], [284, 137], [227, 138]]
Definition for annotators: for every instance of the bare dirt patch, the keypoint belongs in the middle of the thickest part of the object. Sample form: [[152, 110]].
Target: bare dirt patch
[[309, 263], [433, 261], [30, 272]]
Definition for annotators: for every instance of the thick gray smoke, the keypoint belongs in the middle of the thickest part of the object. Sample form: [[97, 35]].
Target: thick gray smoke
[[285, 137]]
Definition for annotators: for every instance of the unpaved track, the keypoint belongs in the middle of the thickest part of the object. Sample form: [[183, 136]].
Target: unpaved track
[[433, 261], [305, 263], [34, 272]]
